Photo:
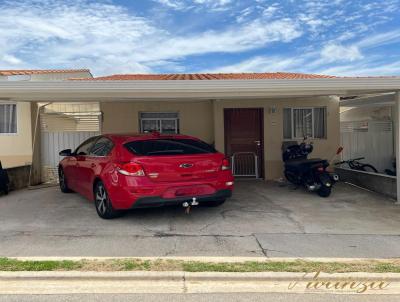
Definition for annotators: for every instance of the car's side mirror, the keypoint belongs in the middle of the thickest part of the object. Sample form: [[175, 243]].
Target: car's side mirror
[[66, 152]]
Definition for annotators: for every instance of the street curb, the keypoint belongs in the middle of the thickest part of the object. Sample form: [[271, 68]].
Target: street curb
[[73, 282], [212, 259], [205, 276]]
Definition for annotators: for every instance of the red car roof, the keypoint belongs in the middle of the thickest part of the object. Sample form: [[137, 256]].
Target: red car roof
[[129, 137]]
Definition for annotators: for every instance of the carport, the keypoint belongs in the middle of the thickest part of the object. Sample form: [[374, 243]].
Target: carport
[[247, 92]]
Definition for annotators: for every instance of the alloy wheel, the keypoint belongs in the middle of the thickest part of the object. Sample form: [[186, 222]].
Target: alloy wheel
[[101, 199]]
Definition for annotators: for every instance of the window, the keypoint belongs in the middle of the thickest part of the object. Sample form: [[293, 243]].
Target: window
[[301, 122], [169, 147], [163, 122], [85, 147], [8, 118], [102, 147]]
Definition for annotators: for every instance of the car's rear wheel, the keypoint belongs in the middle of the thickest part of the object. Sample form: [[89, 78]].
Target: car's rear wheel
[[214, 203], [63, 181], [103, 203]]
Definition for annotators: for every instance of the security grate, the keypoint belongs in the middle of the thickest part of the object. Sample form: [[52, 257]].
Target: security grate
[[245, 164]]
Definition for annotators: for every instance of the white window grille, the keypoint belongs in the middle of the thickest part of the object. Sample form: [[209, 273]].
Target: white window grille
[[8, 118], [304, 122], [163, 122]]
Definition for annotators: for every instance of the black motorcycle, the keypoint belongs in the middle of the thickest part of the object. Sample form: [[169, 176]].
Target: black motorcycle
[[310, 173]]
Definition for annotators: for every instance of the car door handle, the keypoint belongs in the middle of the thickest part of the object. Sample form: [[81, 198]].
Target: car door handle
[[93, 165]]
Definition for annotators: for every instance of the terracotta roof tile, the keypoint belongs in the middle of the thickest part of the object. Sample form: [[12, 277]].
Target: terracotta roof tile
[[209, 76], [39, 71]]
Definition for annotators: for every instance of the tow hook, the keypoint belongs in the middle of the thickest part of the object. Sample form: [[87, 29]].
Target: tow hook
[[188, 205]]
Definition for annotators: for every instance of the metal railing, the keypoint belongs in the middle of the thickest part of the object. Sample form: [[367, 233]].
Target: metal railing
[[245, 164]]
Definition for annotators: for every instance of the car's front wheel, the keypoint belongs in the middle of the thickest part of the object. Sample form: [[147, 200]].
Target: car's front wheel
[[103, 203], [63, 181]]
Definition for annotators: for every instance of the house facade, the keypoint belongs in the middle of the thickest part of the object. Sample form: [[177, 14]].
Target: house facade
[[254, 126], [16, 130], [246, 116], [250, 131]]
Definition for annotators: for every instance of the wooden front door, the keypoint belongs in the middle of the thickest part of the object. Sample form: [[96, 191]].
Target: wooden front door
[[244, 134]]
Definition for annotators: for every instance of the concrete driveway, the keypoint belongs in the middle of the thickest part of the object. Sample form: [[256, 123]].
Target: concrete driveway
[[262, 219]]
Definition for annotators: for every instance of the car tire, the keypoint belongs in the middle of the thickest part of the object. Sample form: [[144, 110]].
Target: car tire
[[324, 191], [63, 181], [103, 204], [214, 203]]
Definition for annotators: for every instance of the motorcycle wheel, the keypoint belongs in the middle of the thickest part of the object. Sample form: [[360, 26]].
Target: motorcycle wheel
[[324, 191], [291, 178]]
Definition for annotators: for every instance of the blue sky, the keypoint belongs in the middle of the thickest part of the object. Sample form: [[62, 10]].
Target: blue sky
[[335, 37]]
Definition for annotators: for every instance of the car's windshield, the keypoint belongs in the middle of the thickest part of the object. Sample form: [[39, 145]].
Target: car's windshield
[[169, 146]]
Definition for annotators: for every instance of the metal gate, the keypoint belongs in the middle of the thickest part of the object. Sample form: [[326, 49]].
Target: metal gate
[[65, 126], [370, 139], [245, 164]]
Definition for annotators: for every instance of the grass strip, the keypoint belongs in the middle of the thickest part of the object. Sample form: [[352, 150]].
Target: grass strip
[[389, 266]]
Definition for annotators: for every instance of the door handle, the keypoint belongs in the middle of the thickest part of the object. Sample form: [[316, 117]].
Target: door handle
[[258, 143], [93, 165]]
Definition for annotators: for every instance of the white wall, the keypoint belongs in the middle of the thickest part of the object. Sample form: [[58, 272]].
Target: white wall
[[357, 114], [16, 149]]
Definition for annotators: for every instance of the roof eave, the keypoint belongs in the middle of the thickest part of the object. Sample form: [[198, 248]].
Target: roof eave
[[59, 91]]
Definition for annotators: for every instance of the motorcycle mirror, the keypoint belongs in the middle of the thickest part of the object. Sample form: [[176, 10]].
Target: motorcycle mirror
[[339, 150]]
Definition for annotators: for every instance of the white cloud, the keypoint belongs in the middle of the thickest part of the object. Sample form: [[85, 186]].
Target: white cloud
[[380, 39], [337, 52], [261, 64], [251, 36], [11, 60], [368, 68], [107, 39], [174, 4], [270, 11], [214, 5]]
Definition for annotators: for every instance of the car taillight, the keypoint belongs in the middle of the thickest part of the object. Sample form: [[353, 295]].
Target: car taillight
[[225, 164], [130, 169], [321, 169]]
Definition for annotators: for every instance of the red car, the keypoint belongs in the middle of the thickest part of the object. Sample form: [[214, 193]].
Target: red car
[[121, 172]]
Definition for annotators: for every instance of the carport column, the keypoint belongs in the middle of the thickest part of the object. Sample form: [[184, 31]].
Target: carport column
[[397, 142]]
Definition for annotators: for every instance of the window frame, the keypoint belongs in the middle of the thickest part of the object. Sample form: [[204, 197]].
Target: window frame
[[16, 119], [159, 120], [312, 122], [91, 154], [94, 138]]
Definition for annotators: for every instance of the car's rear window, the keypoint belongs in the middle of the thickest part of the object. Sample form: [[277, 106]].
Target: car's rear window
[[169, 146]]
